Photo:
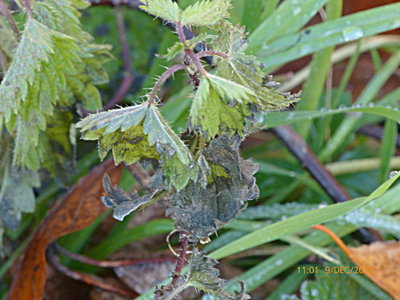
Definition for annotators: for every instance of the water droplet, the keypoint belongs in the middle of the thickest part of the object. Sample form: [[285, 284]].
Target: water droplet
[[389, 107], [371, 104], [352, 33], [393, 173]]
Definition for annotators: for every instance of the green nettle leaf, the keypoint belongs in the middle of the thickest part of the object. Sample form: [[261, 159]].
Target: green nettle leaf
[[53, 64], [112, 120], [212, 115], [175, 50], [204, 276], [163, 137], [247, 69], [140, 132], [206, 12], [200, 210], [33, 51], [165, 9]]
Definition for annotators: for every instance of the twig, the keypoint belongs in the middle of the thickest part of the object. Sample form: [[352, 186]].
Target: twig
[[375, 132], [7, 14], [299, 148], [88, 279], [181, 259], [126, 57], [111, 263]]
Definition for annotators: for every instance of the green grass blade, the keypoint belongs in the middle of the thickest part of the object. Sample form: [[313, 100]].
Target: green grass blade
[[388, 148], [251, 14], [274, 119], [270, 6], [348, 126], [317, 37], [115, 243], [288, 286], [289, 17], [320, 66], [298, 223]]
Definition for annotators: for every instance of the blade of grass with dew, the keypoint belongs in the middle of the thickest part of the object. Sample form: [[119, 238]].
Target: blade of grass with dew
[[320, 66], [387, 203], [289, 17], [314, 38], [267, 168], [349, 125], [388, 148], [299, 222], [274, 119], [342, 53]]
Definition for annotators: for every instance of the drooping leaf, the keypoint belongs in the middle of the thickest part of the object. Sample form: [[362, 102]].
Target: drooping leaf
[[164, 9], [201, 211], [205, 12], [122, 202]]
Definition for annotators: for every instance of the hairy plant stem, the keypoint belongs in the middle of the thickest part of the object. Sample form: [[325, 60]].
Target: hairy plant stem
[[177, 291], [7, 14], [28, 7], [163, 78], [179, 32], [212, 53], [196, 62], [181, 259]]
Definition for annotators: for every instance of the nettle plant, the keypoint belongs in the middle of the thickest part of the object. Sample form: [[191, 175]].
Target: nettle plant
[[200, 169], [49, 68]]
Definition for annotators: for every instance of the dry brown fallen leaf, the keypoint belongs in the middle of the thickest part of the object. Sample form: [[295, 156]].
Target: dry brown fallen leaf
[[75, 210], [379, 261]]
